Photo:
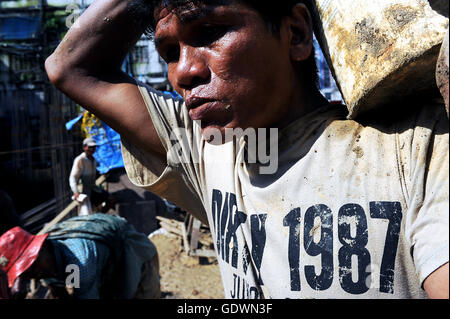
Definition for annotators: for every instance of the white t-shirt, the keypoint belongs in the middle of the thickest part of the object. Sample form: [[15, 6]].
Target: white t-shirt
[[84, 171], [355, 210]]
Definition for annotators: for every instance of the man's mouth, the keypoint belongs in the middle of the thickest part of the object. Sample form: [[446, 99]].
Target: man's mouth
[[207, 110], [203, 111], [193, 102]]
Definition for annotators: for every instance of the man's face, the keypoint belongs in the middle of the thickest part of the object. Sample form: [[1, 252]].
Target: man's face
[[89, 150], [36, 270], [43, 267], [230, 69]]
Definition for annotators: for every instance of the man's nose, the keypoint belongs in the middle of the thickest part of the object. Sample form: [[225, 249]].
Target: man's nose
[[192, 69]]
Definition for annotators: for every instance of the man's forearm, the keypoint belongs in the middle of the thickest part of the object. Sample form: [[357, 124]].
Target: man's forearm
[[73, 184], [436, 285], [98, 42], [75, 176], [86, 66]]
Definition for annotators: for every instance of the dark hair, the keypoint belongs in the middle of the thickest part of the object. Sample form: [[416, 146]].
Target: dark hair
[[272, 14]]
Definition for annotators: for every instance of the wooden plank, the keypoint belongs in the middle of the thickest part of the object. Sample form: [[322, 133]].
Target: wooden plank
[[100, 180], [194, 234], [67, 210], [185, 240], [203, 253], [189, 219], [58, 218], [175, 228], [172, 222], [205, 242], [172, 229]]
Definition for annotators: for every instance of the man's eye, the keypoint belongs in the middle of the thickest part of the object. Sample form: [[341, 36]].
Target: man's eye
[[210, 33]]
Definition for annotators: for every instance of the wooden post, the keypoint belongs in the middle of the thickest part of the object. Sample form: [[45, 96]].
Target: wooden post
[[194, 234], [185, 240]]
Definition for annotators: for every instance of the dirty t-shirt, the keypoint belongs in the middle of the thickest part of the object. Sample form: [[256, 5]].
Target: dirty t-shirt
[[353, 211]]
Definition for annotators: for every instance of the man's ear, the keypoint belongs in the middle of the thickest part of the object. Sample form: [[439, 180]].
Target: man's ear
[[301, 34]]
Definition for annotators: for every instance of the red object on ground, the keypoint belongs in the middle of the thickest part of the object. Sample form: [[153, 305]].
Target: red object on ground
[[18, 250]]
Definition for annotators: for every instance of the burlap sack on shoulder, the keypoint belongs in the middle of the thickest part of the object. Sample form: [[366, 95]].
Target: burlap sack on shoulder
[[379, 50]]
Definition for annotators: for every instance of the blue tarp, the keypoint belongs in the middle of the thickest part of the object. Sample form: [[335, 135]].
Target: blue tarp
[[174, 94], [18, 28], [71, 123], [108, 153], [327, 84]]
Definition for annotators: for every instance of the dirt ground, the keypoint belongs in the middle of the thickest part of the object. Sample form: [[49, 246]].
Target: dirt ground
[[186, 277]]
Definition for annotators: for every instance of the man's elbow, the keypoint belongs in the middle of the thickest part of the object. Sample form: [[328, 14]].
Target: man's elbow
[[56, 72]]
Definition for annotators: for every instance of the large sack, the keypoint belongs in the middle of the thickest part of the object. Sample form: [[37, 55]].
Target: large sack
[[442, 72], [379, 50]]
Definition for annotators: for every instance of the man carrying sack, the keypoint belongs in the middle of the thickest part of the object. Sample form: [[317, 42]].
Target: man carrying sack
[[302, 201]]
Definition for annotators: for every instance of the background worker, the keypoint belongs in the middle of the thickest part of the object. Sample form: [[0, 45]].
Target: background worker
[[84, 173], [97, 256]]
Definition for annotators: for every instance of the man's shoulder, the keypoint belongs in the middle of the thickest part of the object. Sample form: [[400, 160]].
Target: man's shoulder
[[148, 91], [418, 124], [80, 157], [409, 117], [71, 243], [80, 249]]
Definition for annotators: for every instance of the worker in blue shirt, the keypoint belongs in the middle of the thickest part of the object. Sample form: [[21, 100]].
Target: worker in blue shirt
[[97, 256]]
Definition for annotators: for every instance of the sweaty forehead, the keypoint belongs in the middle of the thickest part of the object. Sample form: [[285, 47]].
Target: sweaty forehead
[[187, 10]]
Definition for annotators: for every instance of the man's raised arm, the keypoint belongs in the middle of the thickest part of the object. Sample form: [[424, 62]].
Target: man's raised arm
[[86, 66]]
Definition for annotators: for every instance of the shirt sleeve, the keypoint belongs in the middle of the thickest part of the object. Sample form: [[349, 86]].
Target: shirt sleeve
[[75, 175], [424, 160], [181, 179]]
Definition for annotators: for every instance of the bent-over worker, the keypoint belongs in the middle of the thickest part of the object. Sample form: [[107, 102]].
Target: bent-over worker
[[98, 256]]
